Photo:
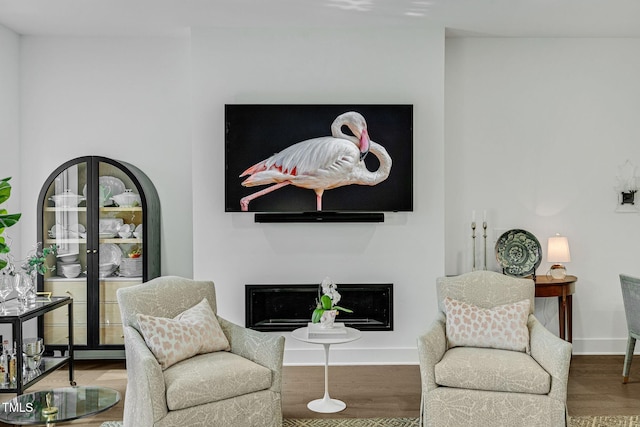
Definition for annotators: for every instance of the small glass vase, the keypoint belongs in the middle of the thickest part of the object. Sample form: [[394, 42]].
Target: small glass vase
[[328, 318], [32, 292]]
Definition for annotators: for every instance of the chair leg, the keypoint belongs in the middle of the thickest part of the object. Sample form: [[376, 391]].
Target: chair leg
[[631, 344]]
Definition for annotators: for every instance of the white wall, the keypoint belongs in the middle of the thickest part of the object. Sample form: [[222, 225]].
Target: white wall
[[10, 126], [322, 66], [123, 98], [535, 132], [10, 134]]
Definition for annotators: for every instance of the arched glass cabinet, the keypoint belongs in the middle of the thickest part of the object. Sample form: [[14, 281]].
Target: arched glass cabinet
[[104, 216]]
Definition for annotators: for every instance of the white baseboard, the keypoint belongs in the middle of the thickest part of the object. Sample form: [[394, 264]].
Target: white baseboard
[[314, 356], [601, 346]]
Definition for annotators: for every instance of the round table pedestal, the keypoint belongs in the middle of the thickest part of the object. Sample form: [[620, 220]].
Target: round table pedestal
[[326, 405]]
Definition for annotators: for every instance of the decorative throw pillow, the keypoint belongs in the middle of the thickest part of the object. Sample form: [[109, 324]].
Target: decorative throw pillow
[[503, 327], [194, 331]]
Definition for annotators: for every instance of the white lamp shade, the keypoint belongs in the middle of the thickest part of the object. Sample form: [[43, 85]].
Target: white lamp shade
[[558, 249]]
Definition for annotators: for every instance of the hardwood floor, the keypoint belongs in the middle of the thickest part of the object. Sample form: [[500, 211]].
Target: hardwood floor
[[595, 388], [368, 391]]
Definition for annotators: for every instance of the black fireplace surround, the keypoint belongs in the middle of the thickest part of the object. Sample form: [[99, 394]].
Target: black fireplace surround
[[287, 307]]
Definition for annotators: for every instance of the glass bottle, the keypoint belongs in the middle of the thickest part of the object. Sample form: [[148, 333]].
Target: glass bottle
[[4, 368], [13, 365]]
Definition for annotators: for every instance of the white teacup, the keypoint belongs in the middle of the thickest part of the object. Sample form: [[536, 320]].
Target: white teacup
[[124, 231]]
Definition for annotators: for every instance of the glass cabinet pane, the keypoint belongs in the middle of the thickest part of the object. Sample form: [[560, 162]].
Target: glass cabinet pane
[[121, 245], [65, 219]]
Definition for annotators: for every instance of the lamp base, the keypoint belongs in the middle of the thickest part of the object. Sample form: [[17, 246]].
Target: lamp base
[[557, 271]]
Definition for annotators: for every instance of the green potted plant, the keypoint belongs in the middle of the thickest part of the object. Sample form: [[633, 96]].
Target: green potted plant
[[6, 220], [326, 304], [36, 262]]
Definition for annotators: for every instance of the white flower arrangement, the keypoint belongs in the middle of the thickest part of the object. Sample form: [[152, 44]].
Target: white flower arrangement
[[328, 300]]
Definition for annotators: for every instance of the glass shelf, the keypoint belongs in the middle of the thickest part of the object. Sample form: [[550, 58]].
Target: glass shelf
[[121, 209], [120, 240], [61, 209], [69, 241]]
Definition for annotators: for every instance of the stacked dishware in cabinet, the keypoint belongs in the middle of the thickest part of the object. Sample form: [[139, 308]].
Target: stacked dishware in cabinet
[[104, 216]]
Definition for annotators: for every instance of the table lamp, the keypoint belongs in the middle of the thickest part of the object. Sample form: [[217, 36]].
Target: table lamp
[[557, 253]]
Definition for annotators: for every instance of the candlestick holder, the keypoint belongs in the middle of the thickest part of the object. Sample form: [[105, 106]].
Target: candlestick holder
[[484, 235], [473, 239]]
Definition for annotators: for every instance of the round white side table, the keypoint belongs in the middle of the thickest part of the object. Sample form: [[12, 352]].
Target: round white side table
[[326, 405]]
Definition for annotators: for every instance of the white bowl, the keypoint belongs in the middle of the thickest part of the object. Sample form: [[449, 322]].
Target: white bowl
[[67, 199], [71, 270], [109, 225], [71, 274], [68, 264], [127, 199], [67, 257]]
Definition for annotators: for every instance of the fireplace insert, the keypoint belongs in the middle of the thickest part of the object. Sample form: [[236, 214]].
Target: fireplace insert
[[287, 307]]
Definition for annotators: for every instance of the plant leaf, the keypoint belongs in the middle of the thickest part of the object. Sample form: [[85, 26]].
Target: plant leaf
[[7, 220], [317, 314], [3, 264], [5, 189], [346, 310], [326, 302]]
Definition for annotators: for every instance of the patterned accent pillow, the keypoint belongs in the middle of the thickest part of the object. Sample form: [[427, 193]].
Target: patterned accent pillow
[[503, 327], [194, 331]]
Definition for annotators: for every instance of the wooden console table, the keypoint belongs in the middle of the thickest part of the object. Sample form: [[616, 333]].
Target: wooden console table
[[563, 289]]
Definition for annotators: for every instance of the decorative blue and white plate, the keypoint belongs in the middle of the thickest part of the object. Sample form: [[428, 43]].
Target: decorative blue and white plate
[[518, 253]]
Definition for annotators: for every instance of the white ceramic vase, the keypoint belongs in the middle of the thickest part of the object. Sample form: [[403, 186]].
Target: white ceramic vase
[[327, 319]]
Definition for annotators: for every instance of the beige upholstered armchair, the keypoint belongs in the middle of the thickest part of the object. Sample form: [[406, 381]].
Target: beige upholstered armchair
[[239, 387], [484, 386]]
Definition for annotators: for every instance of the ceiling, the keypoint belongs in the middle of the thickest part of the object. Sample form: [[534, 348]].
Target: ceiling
[[502, 18]]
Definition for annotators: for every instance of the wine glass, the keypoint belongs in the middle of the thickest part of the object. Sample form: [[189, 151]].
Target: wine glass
[[23, 284], [6, 286]]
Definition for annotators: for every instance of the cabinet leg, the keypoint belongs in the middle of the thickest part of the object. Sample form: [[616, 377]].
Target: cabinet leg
[[71, 358]]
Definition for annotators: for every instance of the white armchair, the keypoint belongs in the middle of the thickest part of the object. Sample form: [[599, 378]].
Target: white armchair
[[236, 388], [473, 386]]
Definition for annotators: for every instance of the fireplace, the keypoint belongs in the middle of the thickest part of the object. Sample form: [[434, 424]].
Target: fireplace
[[287, 307]]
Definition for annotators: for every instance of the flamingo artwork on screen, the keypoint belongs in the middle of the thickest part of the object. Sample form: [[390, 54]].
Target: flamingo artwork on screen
[[321, 163], [318, 161]]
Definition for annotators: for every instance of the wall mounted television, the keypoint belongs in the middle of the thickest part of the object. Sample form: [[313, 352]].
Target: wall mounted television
[[289, 163]]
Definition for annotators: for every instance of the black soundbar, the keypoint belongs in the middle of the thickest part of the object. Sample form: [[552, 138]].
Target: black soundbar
[[320, 217]]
